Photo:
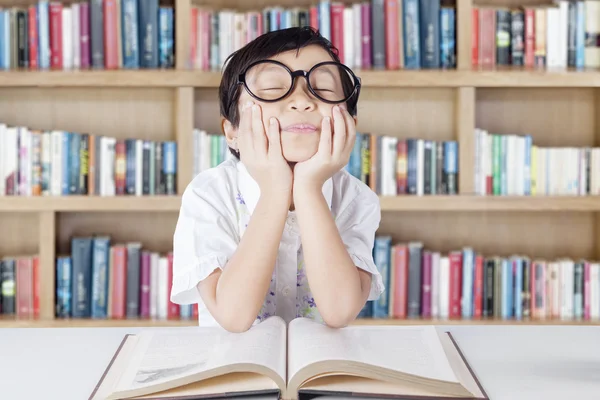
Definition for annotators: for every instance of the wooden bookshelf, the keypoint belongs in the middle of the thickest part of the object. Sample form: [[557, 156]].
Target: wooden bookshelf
[[557, 107]]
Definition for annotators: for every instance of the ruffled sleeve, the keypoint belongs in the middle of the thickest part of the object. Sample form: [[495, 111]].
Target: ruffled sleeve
[[357, 225], [205, 238]]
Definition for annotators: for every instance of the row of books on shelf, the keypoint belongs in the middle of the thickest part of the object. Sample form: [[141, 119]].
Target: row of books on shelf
[[421, 282], [98, 34], [36, 162], [539, 36], [104, 280], [513, 165], [20, 285], [390, 166], [380, 34]]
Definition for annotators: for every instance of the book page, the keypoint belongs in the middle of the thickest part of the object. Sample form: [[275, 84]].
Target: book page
[[409, 349], [163, 356]]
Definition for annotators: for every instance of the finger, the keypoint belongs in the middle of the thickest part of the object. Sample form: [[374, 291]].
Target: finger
[[274, 137], [245, 126], [339, 131], [259, 138], [325, 139], [350, 131]]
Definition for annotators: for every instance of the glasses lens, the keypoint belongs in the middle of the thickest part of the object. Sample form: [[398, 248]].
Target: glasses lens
[[332, 82], [268, 81]]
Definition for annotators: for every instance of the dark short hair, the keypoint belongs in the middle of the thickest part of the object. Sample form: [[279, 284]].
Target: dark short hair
[[265, 46]]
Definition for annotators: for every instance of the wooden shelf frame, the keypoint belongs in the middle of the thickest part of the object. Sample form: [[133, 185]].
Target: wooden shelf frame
[[180, 87]]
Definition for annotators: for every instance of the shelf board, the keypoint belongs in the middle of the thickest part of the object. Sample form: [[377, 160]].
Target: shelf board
[[490, 203], [90, 203], [12, 322], [388, 203], [497, 77]]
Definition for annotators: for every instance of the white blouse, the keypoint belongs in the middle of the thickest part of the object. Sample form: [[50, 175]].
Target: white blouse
[[215, 210]]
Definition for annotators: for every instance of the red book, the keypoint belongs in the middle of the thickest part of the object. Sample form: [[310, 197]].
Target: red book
[[36, 286], [173, 309], [24, 285], [399, 297], [314, 17], [56, 42], [529, 37], [111, 42], [206, 39], [456, 261], [392, 34], [426, 284], [478, 287], [337, 28], [365, 26], [193, 36], [475, 36], [33, 37], [84, 33], [487, 37], [119, 282]]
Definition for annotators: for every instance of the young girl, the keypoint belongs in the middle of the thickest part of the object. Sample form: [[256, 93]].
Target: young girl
[[280, 228]]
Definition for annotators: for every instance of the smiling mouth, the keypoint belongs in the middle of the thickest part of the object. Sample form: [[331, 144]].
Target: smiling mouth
[[300, 128]]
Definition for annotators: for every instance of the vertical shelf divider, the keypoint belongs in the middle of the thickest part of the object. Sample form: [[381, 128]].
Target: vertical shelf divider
[[465, 126], [47, 256], [184, 125]]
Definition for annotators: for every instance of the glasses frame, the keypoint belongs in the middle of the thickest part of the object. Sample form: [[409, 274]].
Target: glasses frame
[[306, 75]]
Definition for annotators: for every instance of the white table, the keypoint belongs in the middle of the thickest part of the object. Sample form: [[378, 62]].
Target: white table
[[512, 362]]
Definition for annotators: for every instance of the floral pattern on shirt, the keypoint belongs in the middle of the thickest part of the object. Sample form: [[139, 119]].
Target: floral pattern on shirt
[[305, 303]]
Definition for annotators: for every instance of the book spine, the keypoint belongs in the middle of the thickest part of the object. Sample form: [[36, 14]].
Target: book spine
[[430, 33], [8, 278], [96, 21], [84, 35], [81, 254], [148, 33], [133, 279], [426, 284], [170, 166], [447, 40], [145, 292], [382, 261], [33, 37], [63, 287], [100, 276], [414, 280]]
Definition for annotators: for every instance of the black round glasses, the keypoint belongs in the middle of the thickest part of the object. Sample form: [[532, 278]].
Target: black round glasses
[[329, 81]]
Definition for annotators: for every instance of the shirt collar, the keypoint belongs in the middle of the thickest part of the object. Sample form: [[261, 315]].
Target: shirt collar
[[250, 191]]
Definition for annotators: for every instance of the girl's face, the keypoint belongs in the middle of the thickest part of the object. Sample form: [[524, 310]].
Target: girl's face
[[300, 113]]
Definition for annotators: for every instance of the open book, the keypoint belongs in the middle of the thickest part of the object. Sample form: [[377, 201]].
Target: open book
[[303, 358]]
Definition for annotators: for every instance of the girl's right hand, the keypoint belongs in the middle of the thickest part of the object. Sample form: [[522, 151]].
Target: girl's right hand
[[261, 153]]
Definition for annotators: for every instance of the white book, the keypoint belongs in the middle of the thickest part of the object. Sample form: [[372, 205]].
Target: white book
[[163, 288], [139, 167], [420, 166], [584, 155], [477, 162], [595, 291], [563, 33], [76, 35], [107, 163], [3, 142], [67, 37], [595, 171], [11, 164], [592, 26], [154, 259], [552, 37], [349, 37], [56, 159], [435, 285], [357, 36], [24, 187], [444, 292]]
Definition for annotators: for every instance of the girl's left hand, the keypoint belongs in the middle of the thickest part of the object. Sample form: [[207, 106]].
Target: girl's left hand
[[335, 147]]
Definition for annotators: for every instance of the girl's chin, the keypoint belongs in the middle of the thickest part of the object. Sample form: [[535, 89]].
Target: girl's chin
[[297, 155]]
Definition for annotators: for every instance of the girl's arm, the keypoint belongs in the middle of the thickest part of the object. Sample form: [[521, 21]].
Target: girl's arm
[[340, 288], [235, 294]]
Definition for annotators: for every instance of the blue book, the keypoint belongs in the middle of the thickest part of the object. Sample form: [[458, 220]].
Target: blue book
[[580, 35], [527, 169], [517, 269], [3, 39], [63, 286], [75, 157], [382, 253], [100, 276], [447, 41], [325, 18], [66, 162], [468, 272], [129, 34], [506, 289], [166, 37], [170, 166], [44, 35], [410, 27], [6, 39]]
